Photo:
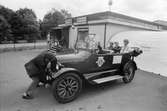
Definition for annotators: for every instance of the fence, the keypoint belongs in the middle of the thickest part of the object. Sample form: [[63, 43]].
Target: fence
[[22, 46]]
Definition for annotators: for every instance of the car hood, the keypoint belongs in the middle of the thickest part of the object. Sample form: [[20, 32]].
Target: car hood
[[74, 57]]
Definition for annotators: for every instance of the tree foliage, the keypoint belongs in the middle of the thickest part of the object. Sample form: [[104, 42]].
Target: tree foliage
[[52, 19], [30, 27], [23, 23], [4, 29], [65, 13]]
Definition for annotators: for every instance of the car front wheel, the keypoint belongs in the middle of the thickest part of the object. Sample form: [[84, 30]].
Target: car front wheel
[[67, 87], [129, 72]]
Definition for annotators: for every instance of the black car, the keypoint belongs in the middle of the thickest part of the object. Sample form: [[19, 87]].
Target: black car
[[86, 64]]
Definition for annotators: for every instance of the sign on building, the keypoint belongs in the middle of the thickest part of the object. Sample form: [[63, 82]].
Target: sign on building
[[68, 21], [81, 20]]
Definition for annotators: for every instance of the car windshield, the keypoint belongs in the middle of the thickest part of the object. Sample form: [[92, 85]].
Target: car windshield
[[87, 42]]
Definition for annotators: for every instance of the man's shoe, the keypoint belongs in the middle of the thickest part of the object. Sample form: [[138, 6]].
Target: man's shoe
[[27, 96]]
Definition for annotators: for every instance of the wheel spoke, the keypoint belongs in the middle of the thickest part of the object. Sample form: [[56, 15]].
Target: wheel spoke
[[61, 93], [64, 94], [62, 85], [67, 94], [68, 82], [70, 92], [73, 82], [60, 88], [75, 86]]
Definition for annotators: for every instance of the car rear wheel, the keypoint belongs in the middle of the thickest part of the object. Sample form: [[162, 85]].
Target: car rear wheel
[[129, 72], [67, 87]]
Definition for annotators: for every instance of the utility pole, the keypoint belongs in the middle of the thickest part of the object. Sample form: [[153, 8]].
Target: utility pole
[[110, 2]]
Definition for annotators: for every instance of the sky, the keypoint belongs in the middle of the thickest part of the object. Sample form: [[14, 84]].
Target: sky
[[144, 9]]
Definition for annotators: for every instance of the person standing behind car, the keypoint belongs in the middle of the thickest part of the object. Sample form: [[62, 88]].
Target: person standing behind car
[[125, 48], [48, 41], [36, 69]]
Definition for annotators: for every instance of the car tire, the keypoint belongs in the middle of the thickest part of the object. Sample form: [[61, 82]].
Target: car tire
[[129, 73], [67, 87]]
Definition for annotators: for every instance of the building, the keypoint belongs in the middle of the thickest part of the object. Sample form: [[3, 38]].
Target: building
[[162, 23], [103, 26]]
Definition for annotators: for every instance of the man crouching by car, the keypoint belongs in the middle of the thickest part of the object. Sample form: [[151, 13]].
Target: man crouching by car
[[36, 69]]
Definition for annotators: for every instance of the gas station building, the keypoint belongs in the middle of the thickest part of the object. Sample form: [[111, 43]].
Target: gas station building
[[103, 26]]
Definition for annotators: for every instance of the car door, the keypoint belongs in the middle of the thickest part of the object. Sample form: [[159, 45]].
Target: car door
[[103, 62], [99, 62]]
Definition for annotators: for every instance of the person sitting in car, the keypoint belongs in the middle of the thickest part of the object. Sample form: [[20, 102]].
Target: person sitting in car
[[36, 69], [100, 49], [111, 46], [125, 48], [116, 47]]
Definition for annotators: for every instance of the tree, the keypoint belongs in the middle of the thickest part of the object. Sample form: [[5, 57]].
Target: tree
[[30, 28], [65, 13], [52, 19], [6, 17], [5, 31], [21, 24], [17, 25]]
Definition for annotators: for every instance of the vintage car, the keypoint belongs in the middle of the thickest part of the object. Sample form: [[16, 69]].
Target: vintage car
[[86, 64]]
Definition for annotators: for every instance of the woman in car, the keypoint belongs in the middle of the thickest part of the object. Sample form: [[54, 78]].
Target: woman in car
[[36, 69]]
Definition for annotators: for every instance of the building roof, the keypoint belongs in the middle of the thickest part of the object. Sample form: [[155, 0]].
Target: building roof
[[115, 18], [161, 22], [112, 15]]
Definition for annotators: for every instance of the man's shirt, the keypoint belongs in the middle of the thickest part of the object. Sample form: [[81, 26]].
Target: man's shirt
[[125, 49]]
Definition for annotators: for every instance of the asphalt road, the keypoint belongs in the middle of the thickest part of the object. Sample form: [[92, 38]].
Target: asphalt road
[[147, 92]]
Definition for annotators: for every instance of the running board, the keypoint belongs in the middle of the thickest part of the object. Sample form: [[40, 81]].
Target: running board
[[106, 79], [90, 75]]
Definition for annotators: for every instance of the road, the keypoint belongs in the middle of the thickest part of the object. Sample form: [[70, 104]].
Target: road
[[147, 92]]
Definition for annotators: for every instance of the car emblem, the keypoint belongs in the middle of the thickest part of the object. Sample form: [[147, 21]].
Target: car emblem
[[100, 61]]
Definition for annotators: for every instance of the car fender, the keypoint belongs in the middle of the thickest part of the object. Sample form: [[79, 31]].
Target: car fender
[[65, 70], [131, 62]]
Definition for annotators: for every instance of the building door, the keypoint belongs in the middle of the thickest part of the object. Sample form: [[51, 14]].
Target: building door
[[82, 34], [65, 37], [62, 36]]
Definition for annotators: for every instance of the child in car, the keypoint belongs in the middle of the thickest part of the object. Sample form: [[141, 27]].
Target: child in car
[[116, 47]]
